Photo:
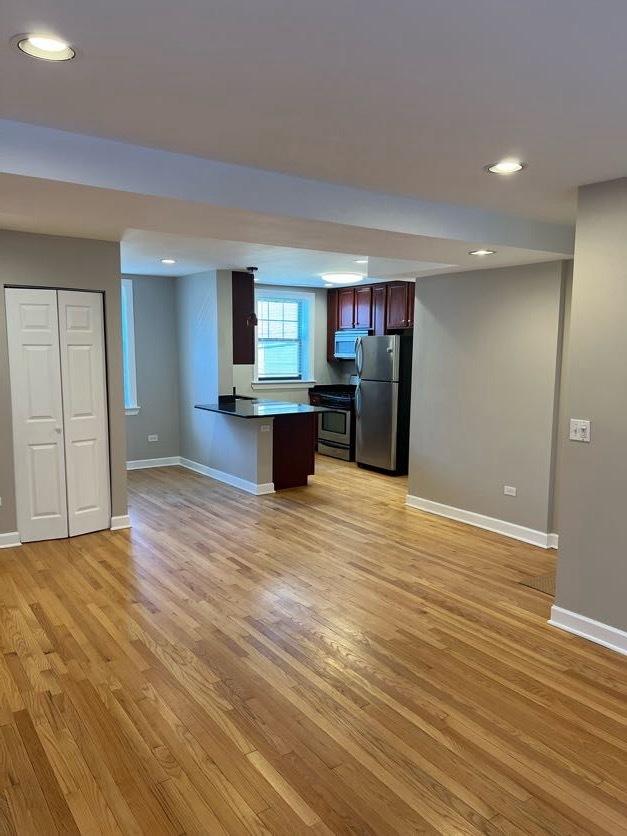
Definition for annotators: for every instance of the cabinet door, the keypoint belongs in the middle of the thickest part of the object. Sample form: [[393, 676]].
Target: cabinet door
[[397, 306], [346, 307], [378, 309], [332, 325], [244, 319], [363, 307], [411, 298]]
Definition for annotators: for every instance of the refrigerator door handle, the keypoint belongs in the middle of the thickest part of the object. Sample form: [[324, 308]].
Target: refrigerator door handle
[[358, 400], [359, 355]]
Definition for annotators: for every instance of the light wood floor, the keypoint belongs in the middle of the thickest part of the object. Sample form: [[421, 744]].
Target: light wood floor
[[323, 660]]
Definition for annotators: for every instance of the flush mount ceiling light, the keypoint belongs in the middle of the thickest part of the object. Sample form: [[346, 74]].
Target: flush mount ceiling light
[[342, 278], [482, 252], [44, 47], [361, 261], [168, 261], [506, 167]]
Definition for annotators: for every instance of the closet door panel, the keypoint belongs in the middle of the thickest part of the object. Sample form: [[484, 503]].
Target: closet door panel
[[81, 329], [39, 457]]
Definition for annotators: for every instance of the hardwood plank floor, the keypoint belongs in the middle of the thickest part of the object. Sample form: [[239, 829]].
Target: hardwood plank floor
[[323, 660]]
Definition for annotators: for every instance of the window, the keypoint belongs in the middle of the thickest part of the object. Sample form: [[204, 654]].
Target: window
[[284, 336], [128, 349]]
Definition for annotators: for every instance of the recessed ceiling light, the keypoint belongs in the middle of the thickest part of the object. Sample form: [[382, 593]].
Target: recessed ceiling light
[[506, 167], [168, 261], [342, 278], [482, 252], [45, 48], [361, 261]]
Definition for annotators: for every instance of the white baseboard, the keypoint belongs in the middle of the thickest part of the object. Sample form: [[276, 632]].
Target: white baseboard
[[508, 529], [10, 540], [123, 521], [553, 541], [218, 475], [140, 464], [588, 628], [228, 478]]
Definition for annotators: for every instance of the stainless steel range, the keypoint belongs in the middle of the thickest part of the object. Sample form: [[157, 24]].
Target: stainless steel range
[[336, 430]]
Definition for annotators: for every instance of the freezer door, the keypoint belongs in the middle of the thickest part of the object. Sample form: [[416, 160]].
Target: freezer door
[[376, 405], [377, 358]]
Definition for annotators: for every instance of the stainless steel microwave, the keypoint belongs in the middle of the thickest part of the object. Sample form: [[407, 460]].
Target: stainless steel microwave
[[346, 342]]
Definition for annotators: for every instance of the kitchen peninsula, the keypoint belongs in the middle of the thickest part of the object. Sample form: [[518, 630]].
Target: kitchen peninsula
[[290, 427]]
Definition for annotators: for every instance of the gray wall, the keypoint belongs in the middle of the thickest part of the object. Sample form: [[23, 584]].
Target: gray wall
[[154, 306], [205, 351], [323, 372], [78, 264], [592, 568], [484, 397]]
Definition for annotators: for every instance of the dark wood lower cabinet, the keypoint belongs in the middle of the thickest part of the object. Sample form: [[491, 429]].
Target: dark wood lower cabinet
[[293, 449]]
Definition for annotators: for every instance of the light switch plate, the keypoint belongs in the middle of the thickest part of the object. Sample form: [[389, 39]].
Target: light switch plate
[[154, 437], [579, 430], [509, 490]]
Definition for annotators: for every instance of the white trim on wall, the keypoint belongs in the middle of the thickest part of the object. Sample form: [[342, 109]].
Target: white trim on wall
[[204, 470], [228, 478], [140, 464], [508, 529], [10, 540], [588, 628], [131, 406], [118, 523]]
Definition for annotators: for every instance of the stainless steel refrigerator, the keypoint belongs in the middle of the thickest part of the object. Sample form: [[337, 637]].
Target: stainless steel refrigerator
[[382, 402]]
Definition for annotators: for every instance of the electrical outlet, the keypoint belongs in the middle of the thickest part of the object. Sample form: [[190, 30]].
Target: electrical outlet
[[509, 490], [579, 430], [265, 428], [153, 438]]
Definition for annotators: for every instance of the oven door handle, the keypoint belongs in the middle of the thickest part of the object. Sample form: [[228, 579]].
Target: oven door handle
[[335, 444]]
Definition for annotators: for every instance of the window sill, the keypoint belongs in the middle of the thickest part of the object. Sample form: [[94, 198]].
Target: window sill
[[281, 384], [132, 410]]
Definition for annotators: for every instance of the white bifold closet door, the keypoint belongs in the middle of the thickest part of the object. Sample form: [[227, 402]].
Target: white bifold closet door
[[60, 427], [81, 339]]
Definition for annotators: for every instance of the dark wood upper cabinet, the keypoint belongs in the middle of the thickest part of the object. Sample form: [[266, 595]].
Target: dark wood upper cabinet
[[332, 326], [397, 315], [379, 308], [411, 299], [346, 307], [244, 318], [363, 307], [379, 300]]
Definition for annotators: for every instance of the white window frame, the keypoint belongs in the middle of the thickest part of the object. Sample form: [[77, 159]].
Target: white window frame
[[128, 356], [310, 299]]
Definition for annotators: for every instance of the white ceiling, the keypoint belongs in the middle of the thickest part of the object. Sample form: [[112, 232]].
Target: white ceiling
[[408, 96], [276, 265]]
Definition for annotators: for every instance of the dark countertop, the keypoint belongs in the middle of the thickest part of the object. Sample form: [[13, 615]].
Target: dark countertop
[[244, 408]]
